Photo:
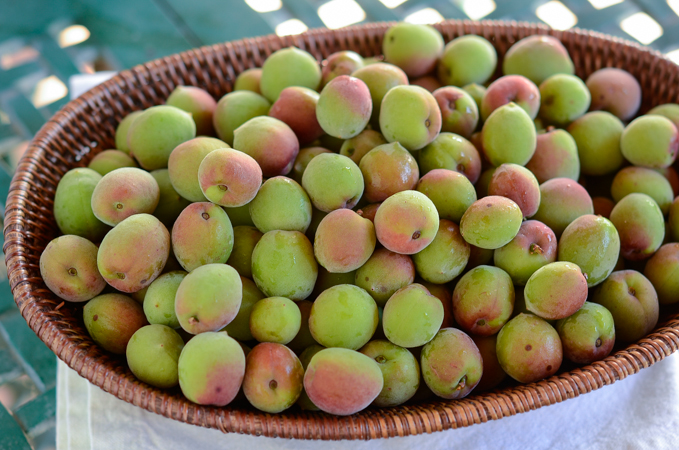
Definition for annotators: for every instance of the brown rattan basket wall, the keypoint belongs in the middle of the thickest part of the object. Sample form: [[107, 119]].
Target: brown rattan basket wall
[[87, 125]]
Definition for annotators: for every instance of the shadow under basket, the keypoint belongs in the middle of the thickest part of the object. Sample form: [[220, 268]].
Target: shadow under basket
[[86, 126]]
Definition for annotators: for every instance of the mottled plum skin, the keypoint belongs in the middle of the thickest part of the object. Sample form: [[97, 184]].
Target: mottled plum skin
[[274, 377], [640, 224], [124, 192], [281, 204], [562, 200], [556, 291], [451, 192], [511, 88], [288, 67], [141, 235], [244, 240], [662, 270], [564, 98], [123, 128], [305, 156], [270, 142], [341, 381], [467, 59], [296, 107], [73, 205], [344, 62], [211, 369], [68, 266], [451, 364], [400, 370], [248, 80], [275, 319], [380, 78], [493, 374], [110, 160], [650, 141], [537, 58], [616, 91], [333, 182], [199, 103], [633, 302], [412, 47], [529, 349], [446, 257], [406, 222], [388, 169], [208, 298], [385, 273], [534, 246], [202, 234], [411, 116], [358, 146], [112, 319], [518, 184], [453, 152], [228, 177], [597, 136], [508, 136], [236, 108], [588, 335], [644, 181], [344, 107], [184, 163], [152, 354], [491, 222], [483, 300], [556, 156], [344, 241], [412, 316], [459, 113]]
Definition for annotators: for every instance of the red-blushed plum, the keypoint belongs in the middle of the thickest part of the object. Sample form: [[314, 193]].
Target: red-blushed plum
[[673, 221], [616, 91], [411, 116], [124, 192], [270, 142], [633, 302], [239, 327], [556, 156], [305, 358], [384, 273], [344, 107], [491, 222], [452, 152], [275, 319], [467, 59], [562, 200], [341, 381], [123, 128], [211, 369], [388, 169], [406, 222], [112, 319], [339, 63], [650, 141], [518, 184], [158, 301], [603, 206], [358, 146], [509, 136], [537, 58], [236, 108], [564, 98], [597, 136], [451, 192], [380, 78], [208, 298], [288, 67], [670, 173], [412, 316], [248, 80], [640, 224], [68, 266], [588, 335], [281, 204], [184, 163], [153, 353], [451, 364], [73, 205], [515, 89], [483, 300], [446, 257], [556, 290], [400, 371], [534, 246], [459, 113], [344, 241], [296, 106], [493, 374], [304, 156], [244, 240], [369, 211], [199, 103], [110, 160], [333, 181], [662, 270], [229, 178], [414, 48], [644, 181]]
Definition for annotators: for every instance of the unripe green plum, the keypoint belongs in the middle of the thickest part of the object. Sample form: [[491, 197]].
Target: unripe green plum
[[344, 107], [411, 116], [533, 247], [588, 335], [556, 156], [112, 319], [281, 204], [344, 241], [333, 182], [73, 205], [229, 178], [650, 141], [406, 222], [412, 316], [616, 91], [459, 112], [248, 80], [199, 103], [640, 224], [380, 78], [239, 327], [597, 135], [414, 48], [123, 128], [467, 59], [184, 163], [562, 200], [385, 273], [451, 192], [662, 270], [564, 98], [556, 290], [288, 67], [153, 354], [124, 192], [160, 297], [110, 160], [400, 370], [509, 136], [452, 152], [245, 239], [446, 257], [275, 319], [388, 169], [491, 222], [643, 181], [537, 57]]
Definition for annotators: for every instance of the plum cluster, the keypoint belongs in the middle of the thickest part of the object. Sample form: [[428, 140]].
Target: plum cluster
[[437, 230]]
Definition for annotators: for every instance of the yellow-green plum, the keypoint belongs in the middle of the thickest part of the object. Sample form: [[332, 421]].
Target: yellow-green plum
[[281, 204], [123, 128], [385, 273], [633, 302], [274, 377], [509, 136], [244, 240], [124, 192], [388, 169], [467, 59], [239, 327], [326, 280], [643, 181], [412, 47], [229, 178], [275, 319], [141, 235], [412, 316], [669, 110], [296, 106], [344, 107], [344, 241], [556, 290], [534, 246], [184, 163], [556, 156], [153, 355], [248, 80], [661, 270], [110, 160], [411, 116], [270, 142], [446, 257], [112, 319], [529, 349], [358, 146], [303, 339], [343, 316], [493, 374], [199, 103], [491, 222], [73, 205], [208, 298], [451, 364], [593, 244], [380, 78], [518, 184], [640, 224], [406, 222], [156, 132], [159, 299], [211, 369], [68, 266], [400, 370], [170, 203], [453, 152], [202, 234], [537, 58], [564, 98], [304, 156], [288, 67], [588, 335], [459, 113], [515, 89], [476, 91], [341, 381], [283, 265], [483, 300], [344, 62], [650, 141], [236, 108], [616, 91], [562, 200], [597, 136], [451, 192], [333, 181]]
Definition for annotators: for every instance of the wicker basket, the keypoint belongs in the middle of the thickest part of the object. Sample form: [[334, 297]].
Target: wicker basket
[[87, 125]]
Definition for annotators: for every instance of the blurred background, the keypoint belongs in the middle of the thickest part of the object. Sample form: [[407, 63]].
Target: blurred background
[[44, 43]]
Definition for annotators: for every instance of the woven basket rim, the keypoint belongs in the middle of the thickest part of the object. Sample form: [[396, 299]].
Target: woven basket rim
[[435, 415]]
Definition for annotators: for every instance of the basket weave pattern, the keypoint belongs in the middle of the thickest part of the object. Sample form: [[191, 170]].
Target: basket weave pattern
[[87, 125]]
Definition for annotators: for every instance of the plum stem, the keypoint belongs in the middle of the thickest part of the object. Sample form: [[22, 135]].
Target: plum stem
[[381, 359], [461, 385], [598, 342], [416, 235], [535, 249], [72, 271], [273, 384], [205, 216]]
